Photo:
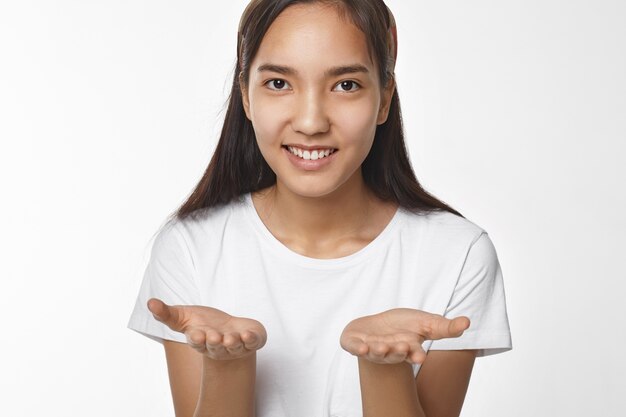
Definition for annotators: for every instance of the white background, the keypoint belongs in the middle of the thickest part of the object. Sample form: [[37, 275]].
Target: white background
[[515, 115]]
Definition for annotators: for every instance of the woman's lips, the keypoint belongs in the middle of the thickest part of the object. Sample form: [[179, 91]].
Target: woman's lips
[[309, 165]]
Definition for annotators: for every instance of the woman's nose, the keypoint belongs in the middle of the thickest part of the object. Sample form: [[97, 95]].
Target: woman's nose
[[309, 115]]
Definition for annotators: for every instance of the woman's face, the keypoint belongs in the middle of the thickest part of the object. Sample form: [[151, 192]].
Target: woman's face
[[314, 91]]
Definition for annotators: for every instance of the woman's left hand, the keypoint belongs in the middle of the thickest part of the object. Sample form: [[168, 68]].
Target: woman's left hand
[[396, 335]]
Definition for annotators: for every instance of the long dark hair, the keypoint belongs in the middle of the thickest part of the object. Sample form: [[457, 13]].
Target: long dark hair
[[238, 167]]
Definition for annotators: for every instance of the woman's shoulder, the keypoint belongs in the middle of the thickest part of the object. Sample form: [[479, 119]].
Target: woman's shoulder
[[446, 239], [215, 214], [443, 219], [442, 226]]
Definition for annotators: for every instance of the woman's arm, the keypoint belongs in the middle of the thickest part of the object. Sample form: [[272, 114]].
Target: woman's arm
[[184, 366], [220, 383], [388, 390], [206, 387], [442, 381], [386, 345], [438, 391], [227, 387]]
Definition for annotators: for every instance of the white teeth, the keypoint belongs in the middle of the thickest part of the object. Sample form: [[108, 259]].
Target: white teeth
[[310, 155]]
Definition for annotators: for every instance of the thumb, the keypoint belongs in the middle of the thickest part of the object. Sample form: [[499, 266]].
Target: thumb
[[442, 328], [168, 315], [458, 325]]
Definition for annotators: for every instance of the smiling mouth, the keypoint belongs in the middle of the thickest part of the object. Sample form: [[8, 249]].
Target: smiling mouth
[[310, 154]]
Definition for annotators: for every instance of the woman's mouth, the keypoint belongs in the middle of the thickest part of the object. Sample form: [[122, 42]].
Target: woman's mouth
[[310, 159], [310, 154]]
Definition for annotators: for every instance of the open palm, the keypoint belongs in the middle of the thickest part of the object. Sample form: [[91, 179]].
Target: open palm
[[211, 331], [397, 335]]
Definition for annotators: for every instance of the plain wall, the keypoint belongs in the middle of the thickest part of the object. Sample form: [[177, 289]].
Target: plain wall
[[515, 114]]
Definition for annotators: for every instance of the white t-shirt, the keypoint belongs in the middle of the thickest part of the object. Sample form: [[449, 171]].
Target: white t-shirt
[[226, 258]]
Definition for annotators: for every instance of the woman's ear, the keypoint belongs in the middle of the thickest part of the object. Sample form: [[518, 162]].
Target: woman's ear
[[385, 102], [244, 96]]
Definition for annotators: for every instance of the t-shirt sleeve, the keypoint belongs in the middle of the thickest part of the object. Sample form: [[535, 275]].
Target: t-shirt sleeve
[[169, 276], [479, 295]]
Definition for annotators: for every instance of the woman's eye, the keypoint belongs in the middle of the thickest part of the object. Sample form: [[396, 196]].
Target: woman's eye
[[347, 86], [277, 85]]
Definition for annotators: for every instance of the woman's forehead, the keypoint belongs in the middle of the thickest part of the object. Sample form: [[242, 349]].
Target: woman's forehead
[[313, 34]]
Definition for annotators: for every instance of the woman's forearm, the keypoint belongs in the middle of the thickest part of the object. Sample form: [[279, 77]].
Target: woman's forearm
[[227, 387], [388, 390]]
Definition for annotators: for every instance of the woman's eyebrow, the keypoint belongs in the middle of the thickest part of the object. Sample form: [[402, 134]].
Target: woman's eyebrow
[[346, 69], [331, 72], [281, 69]]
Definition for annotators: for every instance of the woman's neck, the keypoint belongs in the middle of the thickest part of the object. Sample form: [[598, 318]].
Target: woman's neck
[[340, 222]]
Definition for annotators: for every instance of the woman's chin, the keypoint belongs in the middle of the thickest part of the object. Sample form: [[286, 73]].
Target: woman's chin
[[304, 189]]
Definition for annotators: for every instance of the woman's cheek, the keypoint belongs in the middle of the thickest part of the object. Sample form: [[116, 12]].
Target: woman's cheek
[[268, 119], [357, 122]]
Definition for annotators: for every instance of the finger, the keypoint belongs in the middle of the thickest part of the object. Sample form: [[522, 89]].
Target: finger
[[397, 353], [417, 355], [378, 351], [231, 339], [156, 307], [168, 315], [441, 327], [251, 340], [196, 339], [458, 325], [217, 352], [462, 323], [213, 338], [236, 351], [233, 343], [355, 346]]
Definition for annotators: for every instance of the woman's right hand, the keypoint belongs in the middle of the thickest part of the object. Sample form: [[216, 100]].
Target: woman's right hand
[[211, 332]]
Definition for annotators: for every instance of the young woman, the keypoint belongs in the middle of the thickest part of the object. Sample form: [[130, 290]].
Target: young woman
[[309, 273]]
